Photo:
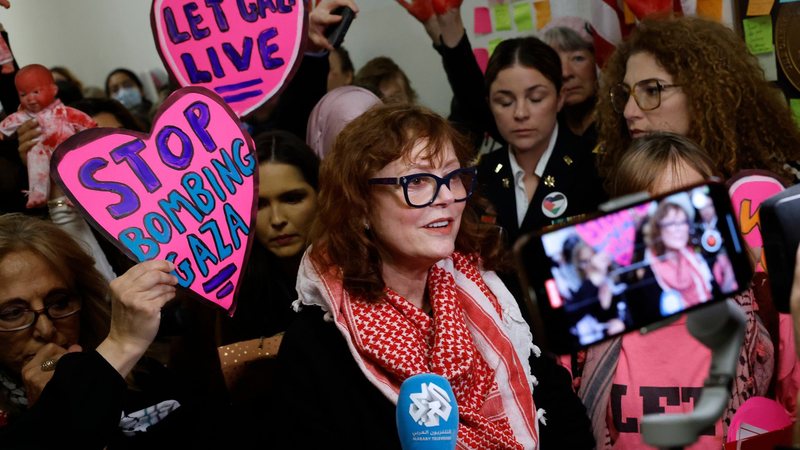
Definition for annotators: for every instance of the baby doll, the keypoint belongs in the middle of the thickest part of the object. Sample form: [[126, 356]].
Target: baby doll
[[37, 95]]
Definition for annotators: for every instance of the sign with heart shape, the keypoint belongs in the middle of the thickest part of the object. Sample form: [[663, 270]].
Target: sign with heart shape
[[185, 193], [244, 50]]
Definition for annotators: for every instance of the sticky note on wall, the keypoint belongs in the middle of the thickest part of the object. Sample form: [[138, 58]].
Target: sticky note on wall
[[493, 44], [542, 13], [759, 7], [502, 17], [483, 22], [758, 34], [482, 56], [522, 16]]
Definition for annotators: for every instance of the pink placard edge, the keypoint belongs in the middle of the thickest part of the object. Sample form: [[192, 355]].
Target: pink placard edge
[[84, 137], [291, 73]]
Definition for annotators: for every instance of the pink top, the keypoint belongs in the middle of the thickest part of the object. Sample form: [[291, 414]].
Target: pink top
[[674, 365]]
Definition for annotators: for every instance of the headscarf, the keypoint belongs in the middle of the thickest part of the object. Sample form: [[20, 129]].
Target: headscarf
[[335, 110]]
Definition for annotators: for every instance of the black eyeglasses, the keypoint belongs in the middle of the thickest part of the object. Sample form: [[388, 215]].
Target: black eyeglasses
[[17, 317], [646, 94], [421, 189]]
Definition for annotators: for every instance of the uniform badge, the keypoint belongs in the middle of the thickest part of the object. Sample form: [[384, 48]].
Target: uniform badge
[[550, 181], [506, 183], [568, 160]]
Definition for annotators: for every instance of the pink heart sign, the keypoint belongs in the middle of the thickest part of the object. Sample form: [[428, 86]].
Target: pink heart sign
[[185, 193], [244, 50]]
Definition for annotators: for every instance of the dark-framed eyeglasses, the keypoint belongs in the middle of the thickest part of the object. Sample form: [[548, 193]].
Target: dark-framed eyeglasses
[[17, 317], [421, 189], [646, 94]]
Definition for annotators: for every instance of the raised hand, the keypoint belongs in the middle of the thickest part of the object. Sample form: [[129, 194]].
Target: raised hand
[[442, 6], [422, 10], [321, 18], [137, 299]]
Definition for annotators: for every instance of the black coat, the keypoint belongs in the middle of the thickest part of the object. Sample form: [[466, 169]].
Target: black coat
[[571, 168]]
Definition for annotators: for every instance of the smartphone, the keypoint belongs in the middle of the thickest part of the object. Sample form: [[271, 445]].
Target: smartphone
[[631, 267], [779, 216], [336, 33]]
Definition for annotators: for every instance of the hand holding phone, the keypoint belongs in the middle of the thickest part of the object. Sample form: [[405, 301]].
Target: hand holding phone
[[335, 34], [633, 266]]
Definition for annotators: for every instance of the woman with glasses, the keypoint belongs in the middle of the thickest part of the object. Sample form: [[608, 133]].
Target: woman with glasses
[[696, 78], [398, 282], [63, 357]]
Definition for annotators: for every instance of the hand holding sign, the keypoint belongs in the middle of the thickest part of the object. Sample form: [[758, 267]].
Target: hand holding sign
[[186, 193]]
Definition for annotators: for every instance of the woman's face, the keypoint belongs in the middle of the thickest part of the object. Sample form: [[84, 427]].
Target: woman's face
[[27, 281], [673, 113], [415, 237], [120, 80], [286, 208], [674, 229], [524, 104], [580, 76]]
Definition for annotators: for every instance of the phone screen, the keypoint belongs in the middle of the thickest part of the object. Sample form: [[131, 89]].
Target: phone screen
[[636, 266]]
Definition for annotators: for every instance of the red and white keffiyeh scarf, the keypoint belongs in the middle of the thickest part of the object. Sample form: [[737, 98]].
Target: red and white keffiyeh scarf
[[477, 340]]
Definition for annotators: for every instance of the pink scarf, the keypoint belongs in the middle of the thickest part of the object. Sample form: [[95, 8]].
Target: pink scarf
[[477, 341], [686, 273]]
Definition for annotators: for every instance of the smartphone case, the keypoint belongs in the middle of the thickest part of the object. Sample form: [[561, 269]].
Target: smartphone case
[[779, 217]]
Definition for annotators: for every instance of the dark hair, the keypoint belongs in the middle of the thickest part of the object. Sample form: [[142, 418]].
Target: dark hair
[[344, 57], [381, 135], [378, 70], [95, 106], [130, 75], [66, 73], [528, 52], [285, 148]]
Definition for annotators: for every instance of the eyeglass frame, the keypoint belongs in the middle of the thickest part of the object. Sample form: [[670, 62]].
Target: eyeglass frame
[[406, 179], [632, 93], [38, 312]]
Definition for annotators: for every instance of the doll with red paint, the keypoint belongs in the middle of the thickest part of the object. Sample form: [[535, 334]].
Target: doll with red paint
[[37, 95]]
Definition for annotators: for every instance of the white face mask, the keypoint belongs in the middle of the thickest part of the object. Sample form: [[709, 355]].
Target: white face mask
[[130, 97]]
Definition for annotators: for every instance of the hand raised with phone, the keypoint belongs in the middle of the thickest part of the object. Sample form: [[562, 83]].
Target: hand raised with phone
[[322, 18]]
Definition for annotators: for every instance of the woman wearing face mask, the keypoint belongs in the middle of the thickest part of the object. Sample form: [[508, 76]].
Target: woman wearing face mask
[[696, 78], [124, 86], [287, 204]]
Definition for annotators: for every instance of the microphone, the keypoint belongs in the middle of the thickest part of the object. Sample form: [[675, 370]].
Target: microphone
[[427, 413]]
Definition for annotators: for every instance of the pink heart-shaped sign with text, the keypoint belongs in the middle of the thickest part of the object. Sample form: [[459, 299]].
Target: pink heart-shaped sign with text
[[244, 50], [185, 193]]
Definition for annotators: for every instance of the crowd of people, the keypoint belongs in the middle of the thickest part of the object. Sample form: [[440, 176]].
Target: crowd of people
[[384, 240]]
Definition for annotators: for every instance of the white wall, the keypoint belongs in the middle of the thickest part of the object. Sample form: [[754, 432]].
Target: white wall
[[93, 37]]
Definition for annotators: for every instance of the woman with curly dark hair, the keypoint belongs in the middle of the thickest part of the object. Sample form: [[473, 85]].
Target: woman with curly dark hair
[[696, 78]]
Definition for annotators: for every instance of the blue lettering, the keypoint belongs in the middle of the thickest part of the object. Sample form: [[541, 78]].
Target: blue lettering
[[201, 254], [199, 117], [186, 274], [176, 202], [219, 14], [212, 180], [223, 251], [158, 227], [172, 28], [213, 59], [141, 247], [201, 196], [227, 171], [180, 161], [194, 21], [129, 152], [266, 51], [196, 76], [240, 61], [129, 202], [245, 169], [235, 223]]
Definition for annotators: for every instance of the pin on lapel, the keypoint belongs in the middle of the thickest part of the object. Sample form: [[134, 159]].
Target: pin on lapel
[[506, 183], [549, 181], [568, 160]]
